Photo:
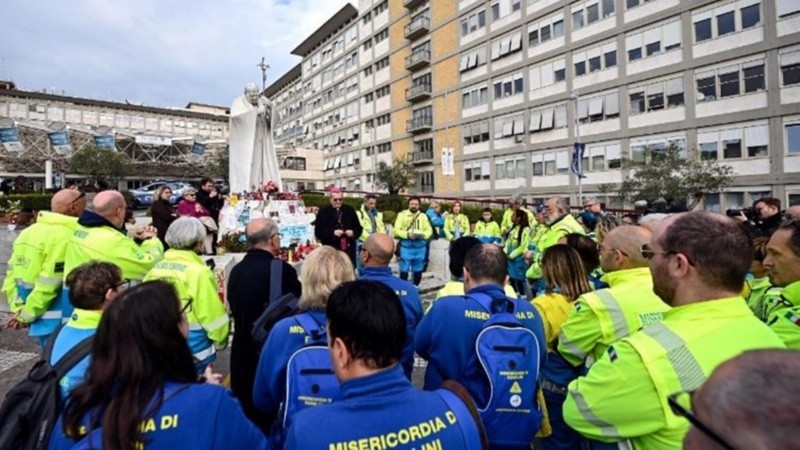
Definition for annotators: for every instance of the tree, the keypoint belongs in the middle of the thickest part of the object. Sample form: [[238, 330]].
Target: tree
[[101, 165], [218, 164], [395, 177], [667, 173]]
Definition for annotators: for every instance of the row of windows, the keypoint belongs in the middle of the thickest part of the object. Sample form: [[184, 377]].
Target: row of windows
[[725, 20]]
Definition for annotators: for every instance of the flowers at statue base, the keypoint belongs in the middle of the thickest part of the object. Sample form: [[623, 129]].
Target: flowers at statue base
[[270, 187]]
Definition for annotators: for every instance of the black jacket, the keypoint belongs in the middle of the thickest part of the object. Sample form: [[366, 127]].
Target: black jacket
[[764, 227], [212, 204], [248, 296], [329, 220], [162, 211]]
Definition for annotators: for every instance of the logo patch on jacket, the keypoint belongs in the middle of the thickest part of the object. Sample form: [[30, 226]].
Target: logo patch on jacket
[[59, 267]]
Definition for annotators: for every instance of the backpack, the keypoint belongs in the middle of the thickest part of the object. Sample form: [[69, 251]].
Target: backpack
[[507, 355], [310, 379], [31, 408], [279, 307]]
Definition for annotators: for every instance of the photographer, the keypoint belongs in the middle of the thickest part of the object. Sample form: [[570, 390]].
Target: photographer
[[762, 219]]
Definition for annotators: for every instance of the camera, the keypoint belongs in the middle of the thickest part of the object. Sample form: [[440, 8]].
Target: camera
[[750, 213]]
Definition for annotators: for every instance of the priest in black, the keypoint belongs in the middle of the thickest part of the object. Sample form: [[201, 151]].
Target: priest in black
[[337, 225]]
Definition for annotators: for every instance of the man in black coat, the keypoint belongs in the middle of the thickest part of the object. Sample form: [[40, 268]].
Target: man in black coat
[[248, 295], [338, 226], [213, 202]]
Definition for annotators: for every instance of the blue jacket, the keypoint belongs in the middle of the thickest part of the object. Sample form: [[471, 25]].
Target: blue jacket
[[378, 411], [412, 306], [446, 337], [286, 337], [82, 324], [437, 222], [197, 416]]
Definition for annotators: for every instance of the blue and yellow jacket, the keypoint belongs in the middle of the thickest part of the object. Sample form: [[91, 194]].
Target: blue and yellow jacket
[[81, 325], [191, 416], [412, 306], [446, 337], [382, 410]]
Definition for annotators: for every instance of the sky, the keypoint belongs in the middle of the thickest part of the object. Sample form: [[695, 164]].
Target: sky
[[162, 53]]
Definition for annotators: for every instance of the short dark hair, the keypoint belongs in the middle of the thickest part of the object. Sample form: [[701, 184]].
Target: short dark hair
[[206, 180], [587, 250], [368, 317], [487, 262], [370, 197], [88, 284], [793, 225], [458, 250], [769, 201], [716, 245], [760, 248], [487, 209], [410, 199]]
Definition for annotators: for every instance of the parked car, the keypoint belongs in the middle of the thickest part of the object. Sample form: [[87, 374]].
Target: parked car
[[143, 196]]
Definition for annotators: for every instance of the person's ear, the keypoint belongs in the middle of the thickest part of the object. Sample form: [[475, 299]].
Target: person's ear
[[339, 353]]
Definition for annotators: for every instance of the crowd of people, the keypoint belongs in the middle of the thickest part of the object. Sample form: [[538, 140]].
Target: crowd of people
[[577, 330]]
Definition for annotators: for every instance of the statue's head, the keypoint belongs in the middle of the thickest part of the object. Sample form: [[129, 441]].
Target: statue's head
[[251, 93]]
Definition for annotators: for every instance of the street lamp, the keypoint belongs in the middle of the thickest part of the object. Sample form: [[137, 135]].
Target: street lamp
[[573, 95]]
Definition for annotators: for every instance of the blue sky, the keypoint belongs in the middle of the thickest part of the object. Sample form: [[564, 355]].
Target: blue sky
[[162, 53]]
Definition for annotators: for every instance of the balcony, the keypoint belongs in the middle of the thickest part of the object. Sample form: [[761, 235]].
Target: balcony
[[419, 124], [418, 92], [411, 4], [422, 157], [417, 28], [418, 60]]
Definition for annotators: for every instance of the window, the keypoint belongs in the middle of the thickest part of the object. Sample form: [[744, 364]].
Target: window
[[793, 138], [506, 45], [732, 148], [548, 118], [634, 3], [381, 8], [580, 68], [473, 22], [382, 64], [477, 170], [726, 23], [472, 97], [547, 74], [733, 140], [637, 102], [505, 7], [473, 59], [598, 107], [702, 30], [588, 13], [383, 120], [509, 126], [729, 84], [546, 29], [662, 38], [754, 79], [656, 96], [751, 16], [708, 151], [476, 133], [384, 148], [368, 71], [294, 163], [786, 8], [381, 35], [610, 58], [509, 168], [707, 88], [790, 67]]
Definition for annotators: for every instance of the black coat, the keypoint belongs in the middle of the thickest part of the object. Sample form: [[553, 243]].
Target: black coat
[[330, 219], [162, 212], [212, 204], [248, 295]]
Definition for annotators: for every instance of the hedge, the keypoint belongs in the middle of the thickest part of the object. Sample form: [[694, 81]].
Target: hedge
[[31, 202]]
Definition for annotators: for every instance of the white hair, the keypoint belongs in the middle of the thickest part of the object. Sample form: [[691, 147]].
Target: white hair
[[651, 220], [184, 233]]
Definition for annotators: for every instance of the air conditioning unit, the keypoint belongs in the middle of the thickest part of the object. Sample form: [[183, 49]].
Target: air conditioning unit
[[519, 139]]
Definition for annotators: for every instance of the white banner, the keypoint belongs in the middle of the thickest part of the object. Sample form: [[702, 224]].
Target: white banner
[[448, 163], [146, 139]]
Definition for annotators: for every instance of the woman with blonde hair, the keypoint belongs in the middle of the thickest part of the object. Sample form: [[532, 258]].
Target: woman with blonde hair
[[565, 280], [323, 271]]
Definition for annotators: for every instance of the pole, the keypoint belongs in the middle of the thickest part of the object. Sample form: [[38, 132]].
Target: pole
[[374, 154], [48, 174], [575, 95], [264, 67]]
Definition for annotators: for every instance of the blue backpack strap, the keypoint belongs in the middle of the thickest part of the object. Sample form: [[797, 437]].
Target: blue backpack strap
[[275, 279], [488, 302], [469, 429], [312, 328]]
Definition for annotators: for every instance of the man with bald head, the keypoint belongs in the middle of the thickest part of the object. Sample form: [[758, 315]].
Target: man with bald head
[[101, 236], [375, 255], [249, 288], [605, 316], [36, 268], [728, 416], [698, 261]]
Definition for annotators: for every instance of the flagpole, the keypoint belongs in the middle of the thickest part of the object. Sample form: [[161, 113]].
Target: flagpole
[[574, 96]]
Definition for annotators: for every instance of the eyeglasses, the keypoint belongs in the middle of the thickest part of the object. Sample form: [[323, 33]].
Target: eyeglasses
[[680, 411], [80, 196], [649, 254], [124, 284], [336, 199], [187, 307]]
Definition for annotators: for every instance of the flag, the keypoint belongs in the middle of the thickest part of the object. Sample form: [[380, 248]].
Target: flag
[[9, 137], [106, 141], [59, 140], [577, 157]]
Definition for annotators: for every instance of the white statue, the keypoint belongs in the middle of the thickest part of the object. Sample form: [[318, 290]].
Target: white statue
[[253, 160]]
